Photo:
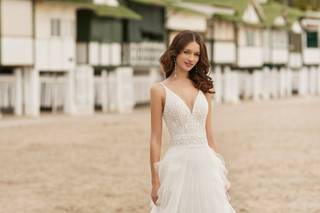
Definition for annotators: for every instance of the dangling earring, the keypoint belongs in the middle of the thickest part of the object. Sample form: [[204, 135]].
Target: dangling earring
[[175, 72], [164, 75]]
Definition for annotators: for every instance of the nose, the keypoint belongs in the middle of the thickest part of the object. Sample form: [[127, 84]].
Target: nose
[[191, 58]]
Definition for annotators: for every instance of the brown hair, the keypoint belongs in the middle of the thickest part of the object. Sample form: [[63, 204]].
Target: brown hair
[[199, 73]]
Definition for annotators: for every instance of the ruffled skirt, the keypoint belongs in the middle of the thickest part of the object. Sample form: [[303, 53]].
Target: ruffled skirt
[[193, 179]]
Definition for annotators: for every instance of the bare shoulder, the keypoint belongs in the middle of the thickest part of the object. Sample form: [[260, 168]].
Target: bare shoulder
[[208, 95], [156, 89]]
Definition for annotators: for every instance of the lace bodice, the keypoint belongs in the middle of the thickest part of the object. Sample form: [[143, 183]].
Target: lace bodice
[[185, 125]]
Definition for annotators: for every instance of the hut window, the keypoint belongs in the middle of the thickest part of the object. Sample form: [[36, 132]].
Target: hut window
[[279, 39], [250, 37], [55, 27], [223, 31], [312, 39]]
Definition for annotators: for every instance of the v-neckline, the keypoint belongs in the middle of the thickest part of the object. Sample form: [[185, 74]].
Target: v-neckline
[[191, 111]]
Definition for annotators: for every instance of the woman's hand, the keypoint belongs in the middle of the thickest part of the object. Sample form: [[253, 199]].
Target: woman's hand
[[154, 193]]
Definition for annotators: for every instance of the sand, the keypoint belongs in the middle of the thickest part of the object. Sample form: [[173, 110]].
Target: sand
[[100, 163]]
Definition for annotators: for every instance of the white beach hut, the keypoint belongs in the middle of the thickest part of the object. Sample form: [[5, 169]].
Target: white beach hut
[[276, 77], [107, 80], [55, 58], [308, 82], [18, 78], [295, 62], [144, 42], [240, 34], [250, 50]]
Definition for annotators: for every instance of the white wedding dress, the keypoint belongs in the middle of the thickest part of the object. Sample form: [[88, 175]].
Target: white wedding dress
[[193, 178]]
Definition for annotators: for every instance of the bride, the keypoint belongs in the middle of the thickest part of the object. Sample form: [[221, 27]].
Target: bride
[[191, 177]]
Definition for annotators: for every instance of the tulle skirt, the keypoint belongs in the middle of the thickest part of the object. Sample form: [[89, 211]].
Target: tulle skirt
[[193, 179]]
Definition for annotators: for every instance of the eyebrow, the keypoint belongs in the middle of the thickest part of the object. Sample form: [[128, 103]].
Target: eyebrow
[[190, 50]]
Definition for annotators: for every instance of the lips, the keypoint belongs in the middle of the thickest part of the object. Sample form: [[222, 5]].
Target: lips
[[188, 64]]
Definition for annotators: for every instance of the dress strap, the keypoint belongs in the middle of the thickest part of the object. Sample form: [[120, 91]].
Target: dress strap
[[166, 94], [164, 86]]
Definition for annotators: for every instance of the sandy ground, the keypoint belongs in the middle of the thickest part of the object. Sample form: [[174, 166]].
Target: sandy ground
[[100, 163]]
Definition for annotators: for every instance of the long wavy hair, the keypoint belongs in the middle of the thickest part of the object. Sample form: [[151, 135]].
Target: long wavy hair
[[199, 74]]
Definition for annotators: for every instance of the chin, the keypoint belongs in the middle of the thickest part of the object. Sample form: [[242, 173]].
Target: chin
[[186, 69]]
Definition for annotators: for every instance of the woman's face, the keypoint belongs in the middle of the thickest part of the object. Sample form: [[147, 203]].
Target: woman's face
[[188, 57]]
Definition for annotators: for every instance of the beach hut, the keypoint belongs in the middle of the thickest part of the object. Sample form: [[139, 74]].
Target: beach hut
[[222, 35], [295, 62], [194, 15], [75, 40], [66, 68], [101, 48], [275, 78], [18, 78], [223, 31], [275, 35], [240, 34], [144, 42], [250, 49], [309, 75], [38, 61], [55, 58], [37, 55], [295, 31]]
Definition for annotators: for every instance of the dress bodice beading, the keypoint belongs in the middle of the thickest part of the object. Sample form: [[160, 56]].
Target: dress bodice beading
[[186, 126]]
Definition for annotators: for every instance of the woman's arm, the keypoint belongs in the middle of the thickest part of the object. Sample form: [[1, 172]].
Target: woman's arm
[[156, 109], [209, 128]]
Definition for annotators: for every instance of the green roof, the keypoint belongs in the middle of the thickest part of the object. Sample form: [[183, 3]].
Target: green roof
[[293, 14], [239, 6], [270, 11], [226, 17], [162, 3], [66, 1], [170, 4], [120, 11], [273, 10]]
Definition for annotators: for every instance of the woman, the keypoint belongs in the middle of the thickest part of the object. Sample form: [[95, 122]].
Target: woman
[[191, 177]]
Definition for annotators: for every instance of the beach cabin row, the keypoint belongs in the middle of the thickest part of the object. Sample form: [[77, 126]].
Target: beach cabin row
[[260, 49], [265, 50], [78, 56], [55, 53]]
